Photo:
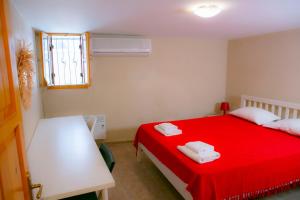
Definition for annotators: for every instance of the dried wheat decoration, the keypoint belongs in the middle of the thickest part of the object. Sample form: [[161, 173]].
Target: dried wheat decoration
[[25, 72]]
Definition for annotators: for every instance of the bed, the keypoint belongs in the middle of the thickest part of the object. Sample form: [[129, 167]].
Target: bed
[[255, 161]]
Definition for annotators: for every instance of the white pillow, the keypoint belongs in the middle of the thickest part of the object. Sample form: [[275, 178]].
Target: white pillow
[[256, 115], [291, 126]]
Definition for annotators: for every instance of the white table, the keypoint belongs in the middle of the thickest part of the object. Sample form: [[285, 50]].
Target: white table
[[65, 159]]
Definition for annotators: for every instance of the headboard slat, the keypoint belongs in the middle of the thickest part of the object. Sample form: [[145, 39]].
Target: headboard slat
[[281, 108], [287, 113], [279, 111], [273, 109], [295, 113]]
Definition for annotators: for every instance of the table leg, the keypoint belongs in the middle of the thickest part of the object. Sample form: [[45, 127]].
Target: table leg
[[104, 194]]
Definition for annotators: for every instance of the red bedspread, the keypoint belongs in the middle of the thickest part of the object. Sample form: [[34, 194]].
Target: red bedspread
[[255, 161]]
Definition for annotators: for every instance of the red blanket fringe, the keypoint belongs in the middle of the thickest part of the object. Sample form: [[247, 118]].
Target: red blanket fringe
[[266, 192]]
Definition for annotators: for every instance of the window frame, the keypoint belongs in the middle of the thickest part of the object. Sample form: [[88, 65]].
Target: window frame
[[78, 86]]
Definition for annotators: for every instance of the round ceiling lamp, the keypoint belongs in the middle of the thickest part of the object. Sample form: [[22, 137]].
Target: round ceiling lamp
[[207, 10]]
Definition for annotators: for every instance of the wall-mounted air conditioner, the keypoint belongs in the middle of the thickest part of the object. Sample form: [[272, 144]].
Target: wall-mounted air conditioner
[[120, 45]]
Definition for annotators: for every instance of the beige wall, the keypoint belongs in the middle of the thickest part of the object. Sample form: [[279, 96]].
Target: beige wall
[[183, 78], [20, 30], [265, 66]]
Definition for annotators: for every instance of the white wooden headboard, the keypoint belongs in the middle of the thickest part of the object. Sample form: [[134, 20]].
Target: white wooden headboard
[[282, 109]]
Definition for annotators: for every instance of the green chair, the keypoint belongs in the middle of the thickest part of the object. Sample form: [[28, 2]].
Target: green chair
[[107, 156], [110, 162]]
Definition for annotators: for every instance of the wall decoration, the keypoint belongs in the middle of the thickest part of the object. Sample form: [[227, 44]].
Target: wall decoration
[[25, 72]]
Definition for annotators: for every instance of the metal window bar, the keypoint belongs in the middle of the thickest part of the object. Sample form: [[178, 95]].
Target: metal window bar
[[82, 59], [51, 70], [66, 63]]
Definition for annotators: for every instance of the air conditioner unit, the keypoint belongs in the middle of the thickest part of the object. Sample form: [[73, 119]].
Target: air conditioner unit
[[120, 45]]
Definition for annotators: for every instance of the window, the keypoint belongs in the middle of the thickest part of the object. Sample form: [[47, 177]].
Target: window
[[65, 60]]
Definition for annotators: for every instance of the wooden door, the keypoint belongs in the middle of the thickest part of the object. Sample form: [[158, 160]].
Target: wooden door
[[13, 181]]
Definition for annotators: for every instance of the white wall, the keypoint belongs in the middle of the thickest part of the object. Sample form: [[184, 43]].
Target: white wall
[[265, 66], [182, 78], [21, 30]]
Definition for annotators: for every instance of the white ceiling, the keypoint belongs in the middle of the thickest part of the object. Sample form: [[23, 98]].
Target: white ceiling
[[240, 18]]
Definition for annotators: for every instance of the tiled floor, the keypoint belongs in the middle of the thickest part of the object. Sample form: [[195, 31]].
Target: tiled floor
[[143, 181]]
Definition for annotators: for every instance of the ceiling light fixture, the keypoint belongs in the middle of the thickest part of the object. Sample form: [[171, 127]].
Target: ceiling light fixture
[[207, 10]]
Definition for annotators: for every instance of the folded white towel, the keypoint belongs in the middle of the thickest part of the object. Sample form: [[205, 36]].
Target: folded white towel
[[167, 126], [199, 146], [168, 132], [200, 157]]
